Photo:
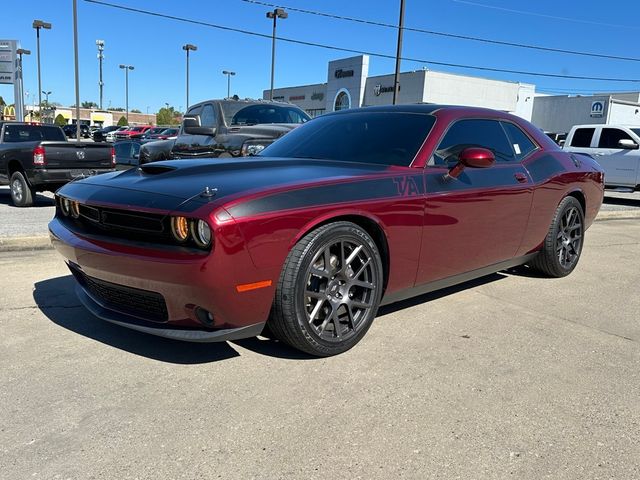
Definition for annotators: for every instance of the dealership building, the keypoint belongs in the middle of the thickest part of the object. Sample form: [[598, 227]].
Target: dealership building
[[349, 85], [558, 113]]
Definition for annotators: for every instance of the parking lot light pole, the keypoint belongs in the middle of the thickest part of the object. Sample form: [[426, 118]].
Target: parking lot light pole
[[38, 24], [396, 79], [229, 74], [20, 52], [126, 87], [187, 48], [275, 15], [46, 94], [77, 67], [100, 44]]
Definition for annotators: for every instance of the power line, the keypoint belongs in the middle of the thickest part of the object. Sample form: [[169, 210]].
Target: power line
[[445, 34], [359, 52], [544, 15]]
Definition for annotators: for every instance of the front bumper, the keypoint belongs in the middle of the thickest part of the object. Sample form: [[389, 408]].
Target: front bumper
[[185, 283], [175, 333]]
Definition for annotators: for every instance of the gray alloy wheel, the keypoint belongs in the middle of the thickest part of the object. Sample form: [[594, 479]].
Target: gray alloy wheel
[[329, 290], [562, 246], [21, 192]]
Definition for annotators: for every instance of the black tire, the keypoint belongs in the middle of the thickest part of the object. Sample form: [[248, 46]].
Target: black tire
[[563, 244], [329, 290], [21, 192]]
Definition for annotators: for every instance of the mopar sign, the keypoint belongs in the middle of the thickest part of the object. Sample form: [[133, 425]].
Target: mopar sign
[[597, 108]]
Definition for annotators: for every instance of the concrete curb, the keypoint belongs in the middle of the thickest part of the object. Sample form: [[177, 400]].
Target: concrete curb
[[43, 242], [25, 244]]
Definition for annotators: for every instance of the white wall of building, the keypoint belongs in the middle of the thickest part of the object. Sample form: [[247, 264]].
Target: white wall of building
[[557, 114], [379, 89]]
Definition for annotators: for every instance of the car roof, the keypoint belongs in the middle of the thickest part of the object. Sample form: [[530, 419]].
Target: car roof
[[426, 108]]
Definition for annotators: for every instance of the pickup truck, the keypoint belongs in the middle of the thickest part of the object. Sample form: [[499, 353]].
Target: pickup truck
[[227, 128], [35, 158], [615, 148]]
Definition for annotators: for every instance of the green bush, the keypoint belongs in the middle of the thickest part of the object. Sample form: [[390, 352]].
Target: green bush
[[123, 121]]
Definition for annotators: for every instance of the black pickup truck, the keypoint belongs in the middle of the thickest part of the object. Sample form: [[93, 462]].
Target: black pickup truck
[[35, 158], [227, 128]]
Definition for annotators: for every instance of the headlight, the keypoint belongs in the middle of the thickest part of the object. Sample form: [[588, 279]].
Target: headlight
[[74, 209], [180, 228], [252, 147], [201, 233], [65, 206]]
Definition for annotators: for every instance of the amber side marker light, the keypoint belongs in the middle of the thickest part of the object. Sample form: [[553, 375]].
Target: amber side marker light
[[245, 287]]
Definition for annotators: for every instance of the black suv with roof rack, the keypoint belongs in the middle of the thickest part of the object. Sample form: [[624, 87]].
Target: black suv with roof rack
[[227, 128]]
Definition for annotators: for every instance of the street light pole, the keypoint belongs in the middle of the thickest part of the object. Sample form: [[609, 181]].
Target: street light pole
[[20, 52], [187, 48], [46, 94], [77, 67], [38, 24], [100, 44], [229, 74], [277, 13], [396, 80], [126, 86]]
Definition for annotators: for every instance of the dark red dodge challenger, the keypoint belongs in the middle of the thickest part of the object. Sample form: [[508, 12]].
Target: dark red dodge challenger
[[350, 211]]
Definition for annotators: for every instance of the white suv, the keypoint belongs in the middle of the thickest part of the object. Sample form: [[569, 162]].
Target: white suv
[[615, 148]]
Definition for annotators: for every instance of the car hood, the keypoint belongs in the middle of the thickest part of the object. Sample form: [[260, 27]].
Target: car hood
[[169, 184], [271, 130]]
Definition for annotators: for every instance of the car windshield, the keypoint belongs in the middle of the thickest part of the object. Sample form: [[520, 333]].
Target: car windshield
[[32, 133], [169, 131], [636, 131], [388, 138], [240, 113]]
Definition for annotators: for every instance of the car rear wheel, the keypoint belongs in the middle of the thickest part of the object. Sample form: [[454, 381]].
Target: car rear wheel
[[21, 192], [563, 244], [329, 290]]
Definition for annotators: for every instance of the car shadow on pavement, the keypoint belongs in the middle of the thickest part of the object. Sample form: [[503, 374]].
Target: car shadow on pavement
[[56, 298], [38, 201]]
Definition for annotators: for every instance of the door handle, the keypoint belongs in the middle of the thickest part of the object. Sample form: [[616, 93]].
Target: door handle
[[520, 177]]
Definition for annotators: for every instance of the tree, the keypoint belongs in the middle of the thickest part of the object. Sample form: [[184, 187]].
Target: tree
[[60, 120], [123, 121], [89, 105], [116, 109], [167, 116], [135, 110], [2, 102]]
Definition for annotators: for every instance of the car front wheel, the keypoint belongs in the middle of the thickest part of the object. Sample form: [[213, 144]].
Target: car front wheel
[[329, 290]]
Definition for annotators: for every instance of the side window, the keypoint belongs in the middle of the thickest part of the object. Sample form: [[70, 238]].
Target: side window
[[135, 149], [521, 143], [473, 133], [208, 116], [610, 137], [122, 152], [582, 137]]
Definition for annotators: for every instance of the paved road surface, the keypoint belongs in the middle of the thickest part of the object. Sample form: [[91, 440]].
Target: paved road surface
[[512, 376]]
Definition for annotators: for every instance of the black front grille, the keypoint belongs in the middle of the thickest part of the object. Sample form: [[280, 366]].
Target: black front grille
[[134, 301]]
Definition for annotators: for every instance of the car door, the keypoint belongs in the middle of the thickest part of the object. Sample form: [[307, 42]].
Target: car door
[[479, 218], [123, 155], [620, 164]]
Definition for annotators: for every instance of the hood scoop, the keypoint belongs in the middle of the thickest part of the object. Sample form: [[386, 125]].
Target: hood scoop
[[151, 169]]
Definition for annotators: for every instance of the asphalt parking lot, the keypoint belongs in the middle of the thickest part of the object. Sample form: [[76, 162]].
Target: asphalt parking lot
[[511, 376]]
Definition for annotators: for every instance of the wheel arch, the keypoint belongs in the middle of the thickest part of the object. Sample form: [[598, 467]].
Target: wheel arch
[[580, 196], [369, 223], [14, 166]]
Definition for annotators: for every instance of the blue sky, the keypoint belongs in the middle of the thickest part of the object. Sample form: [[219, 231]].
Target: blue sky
[[153, 44]]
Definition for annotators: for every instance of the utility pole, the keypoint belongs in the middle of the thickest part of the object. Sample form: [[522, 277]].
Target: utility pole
[[126, 86], [229, 74], [77, 67], [396, 80], [38, 24], [100, 44], [187, 48], [276, 14]]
